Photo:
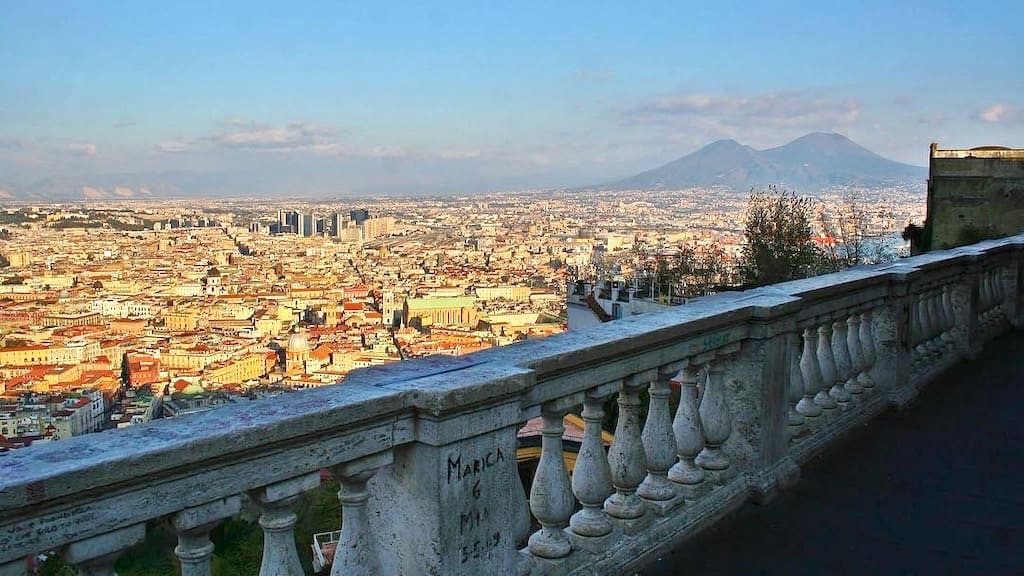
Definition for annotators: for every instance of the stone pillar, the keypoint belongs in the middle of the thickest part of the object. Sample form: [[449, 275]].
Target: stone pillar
[[626, 456], [755, 377], [810, 374], [193, 525], [1008, 291], [948, 322], [1011, 282], [841, 355], [795, 387], [716, 417], [356, 554], [278, 522], [967, 303], [592, 476], [826, 367], [551, 498], [452, 502], [96, 556], [659, 444], [892, 338], [689, 433], [857, 373], [867, 343]]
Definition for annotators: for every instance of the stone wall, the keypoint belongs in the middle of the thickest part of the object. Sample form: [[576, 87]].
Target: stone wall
[[973, 195]]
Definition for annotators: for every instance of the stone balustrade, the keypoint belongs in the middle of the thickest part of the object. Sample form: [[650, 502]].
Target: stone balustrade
[[425, 451]]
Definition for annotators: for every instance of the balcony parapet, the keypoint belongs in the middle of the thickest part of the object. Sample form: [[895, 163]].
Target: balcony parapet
[[425, 449]]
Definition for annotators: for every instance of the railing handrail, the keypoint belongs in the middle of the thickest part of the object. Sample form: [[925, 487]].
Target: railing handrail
[[367, 394], [375, 409]]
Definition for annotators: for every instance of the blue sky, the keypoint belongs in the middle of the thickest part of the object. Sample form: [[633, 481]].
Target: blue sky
[[345, 97]]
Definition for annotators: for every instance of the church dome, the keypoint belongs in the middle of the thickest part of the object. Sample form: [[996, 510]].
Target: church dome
[[298, 342]]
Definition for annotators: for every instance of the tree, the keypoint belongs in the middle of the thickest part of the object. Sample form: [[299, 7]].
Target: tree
[[851, 242], [778, 246]]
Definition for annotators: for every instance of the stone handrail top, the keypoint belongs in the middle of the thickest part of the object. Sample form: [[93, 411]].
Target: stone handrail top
[[382, 396]]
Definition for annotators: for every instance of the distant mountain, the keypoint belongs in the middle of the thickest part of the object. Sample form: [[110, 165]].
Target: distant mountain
[[807, 164]]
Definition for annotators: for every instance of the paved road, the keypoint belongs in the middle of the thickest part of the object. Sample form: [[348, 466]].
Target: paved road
[[936, 489]]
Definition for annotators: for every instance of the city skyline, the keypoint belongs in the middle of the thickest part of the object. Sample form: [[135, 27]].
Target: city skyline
[[403, 98]]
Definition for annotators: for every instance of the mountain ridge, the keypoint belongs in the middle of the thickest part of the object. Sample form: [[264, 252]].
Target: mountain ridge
[[808, 163]]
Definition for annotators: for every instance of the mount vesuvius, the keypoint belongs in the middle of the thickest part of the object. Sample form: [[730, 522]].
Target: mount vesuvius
[[806, 165]]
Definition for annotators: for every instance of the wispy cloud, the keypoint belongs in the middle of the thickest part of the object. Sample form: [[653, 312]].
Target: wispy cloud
[[803, 110], [243, 135], [172, 146], [1000, 113], [297, 136], [81, 149], [239, 135]]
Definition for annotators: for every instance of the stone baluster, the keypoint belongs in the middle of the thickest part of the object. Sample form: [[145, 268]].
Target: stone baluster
[[194, 549], [689, 433], [927, 327], [919, 330], [841, 358], [96, 556], [948, 321], [984, 298], [928, 323], [999, 290], [867, 346], [626, 455], [592, 476], [795, 390], [993, 297], [278, 522], [811, 375], [1011, 294], [659, 443], [716, 418], [356, 553], [853, 383], [551, 499], [989, 309], [826, 367], [997, 302], [938, 322]]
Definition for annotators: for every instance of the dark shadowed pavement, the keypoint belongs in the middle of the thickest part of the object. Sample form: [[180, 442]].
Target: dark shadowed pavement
[[935, 489]]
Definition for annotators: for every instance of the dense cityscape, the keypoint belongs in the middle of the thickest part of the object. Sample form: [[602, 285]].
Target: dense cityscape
[[476, 289], [115, 313]]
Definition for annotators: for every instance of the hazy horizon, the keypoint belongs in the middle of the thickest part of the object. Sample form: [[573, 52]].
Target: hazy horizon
[[403, 98]]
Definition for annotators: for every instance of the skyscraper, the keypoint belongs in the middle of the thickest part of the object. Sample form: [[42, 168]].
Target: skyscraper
[[359, 215], [337, 223], [307, 224]]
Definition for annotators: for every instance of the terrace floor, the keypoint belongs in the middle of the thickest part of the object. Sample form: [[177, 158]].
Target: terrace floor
[[937, 488]]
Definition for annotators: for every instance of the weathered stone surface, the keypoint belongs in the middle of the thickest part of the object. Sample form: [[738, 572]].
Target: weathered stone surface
[[451, 509], [108, 544], [406, 426]]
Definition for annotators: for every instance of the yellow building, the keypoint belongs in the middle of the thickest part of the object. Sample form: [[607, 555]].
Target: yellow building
[[237, 370], [39, 355], [181, 321], [458, 311], [63, 320]]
